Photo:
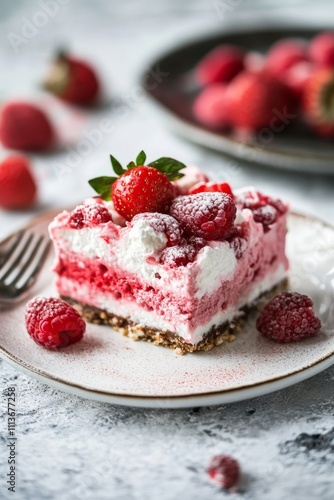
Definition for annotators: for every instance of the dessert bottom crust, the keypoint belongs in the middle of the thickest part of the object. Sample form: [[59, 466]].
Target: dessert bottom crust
[[217, 335]]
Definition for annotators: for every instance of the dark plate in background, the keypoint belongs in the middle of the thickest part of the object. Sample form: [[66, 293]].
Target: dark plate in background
[[295, 148]]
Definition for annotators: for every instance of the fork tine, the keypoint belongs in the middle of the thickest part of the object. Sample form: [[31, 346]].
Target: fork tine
[[34, 273], [12, 248], [29, 260], [18, 259]]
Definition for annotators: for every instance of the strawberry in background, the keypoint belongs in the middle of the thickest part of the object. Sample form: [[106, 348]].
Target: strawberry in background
[[18, 189], [72, 80], [318, 102], [25, 126]]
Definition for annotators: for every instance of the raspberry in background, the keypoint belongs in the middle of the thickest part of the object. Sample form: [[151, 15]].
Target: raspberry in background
[[322, 50], [284, 54], [224, 470], [254, 97], [52, 323], [211, 107], [318, 101], [18, 187], [288, 317], [220, 65], [73, 80], [25, 126], [211, 187]]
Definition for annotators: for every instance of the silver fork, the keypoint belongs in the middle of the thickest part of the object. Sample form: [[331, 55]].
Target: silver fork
[[20, 262]]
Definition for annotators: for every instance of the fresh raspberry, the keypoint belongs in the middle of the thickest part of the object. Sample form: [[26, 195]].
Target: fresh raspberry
[[284, 54], [267, 215], [179, 255], [73, 80], [162, 223], [211, 107], [322, 49], [25, 126], [318, 102], [211, 187], [207, 215], [197, 242], [224, 470], [266, 210], [220, 65], [142, 189], [254, 97], [17, 184], [89, 215], [288, 317], [52, 323]]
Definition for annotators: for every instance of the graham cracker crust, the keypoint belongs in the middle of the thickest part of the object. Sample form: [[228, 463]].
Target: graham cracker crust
[[217, 335]]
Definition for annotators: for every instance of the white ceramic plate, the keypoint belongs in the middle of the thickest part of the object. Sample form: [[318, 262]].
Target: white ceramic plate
[[109, 367]]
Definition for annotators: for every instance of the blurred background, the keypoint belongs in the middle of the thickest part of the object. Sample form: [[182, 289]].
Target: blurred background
[[120, 39]]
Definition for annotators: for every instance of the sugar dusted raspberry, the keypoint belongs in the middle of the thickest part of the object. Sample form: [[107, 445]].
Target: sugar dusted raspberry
[[267, 215], [207, 215], [197, 242], [288, 317], [52, 323], [179, 255], [265, 209], [224, 470], [92, 214], [162, 223]]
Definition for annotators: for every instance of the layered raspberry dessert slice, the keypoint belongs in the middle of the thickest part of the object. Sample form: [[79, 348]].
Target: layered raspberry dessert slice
[[168, 259]]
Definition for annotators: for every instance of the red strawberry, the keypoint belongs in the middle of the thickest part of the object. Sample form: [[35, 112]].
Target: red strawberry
[[322, 49], [254, 98], [17, 185], [296, 77], [73, 80], [140, 188], [25, 126], [220, 65], [284, 54], [318, 102], [211, 106]]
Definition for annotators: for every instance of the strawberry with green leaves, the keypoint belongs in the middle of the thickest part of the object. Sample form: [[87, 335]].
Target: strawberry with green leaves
[[140, 188]]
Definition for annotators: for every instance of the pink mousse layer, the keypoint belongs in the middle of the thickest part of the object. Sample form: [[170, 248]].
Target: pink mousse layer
[[106, 284]]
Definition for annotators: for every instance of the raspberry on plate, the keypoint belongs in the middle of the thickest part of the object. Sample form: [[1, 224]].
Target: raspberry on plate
[[322, 49], [17, 184], [224, 470], [288, 317], [211, 106], [284, 54], [220, 65], [52, 323], [207, 215]]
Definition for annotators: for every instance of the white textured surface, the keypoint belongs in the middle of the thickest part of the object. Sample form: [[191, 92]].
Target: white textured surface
[[75, 449]]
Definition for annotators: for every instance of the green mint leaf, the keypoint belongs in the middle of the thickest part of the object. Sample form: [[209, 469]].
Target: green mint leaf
[[141, 158], [118, 169], [170, 167], [131, 165], [102, 184]]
